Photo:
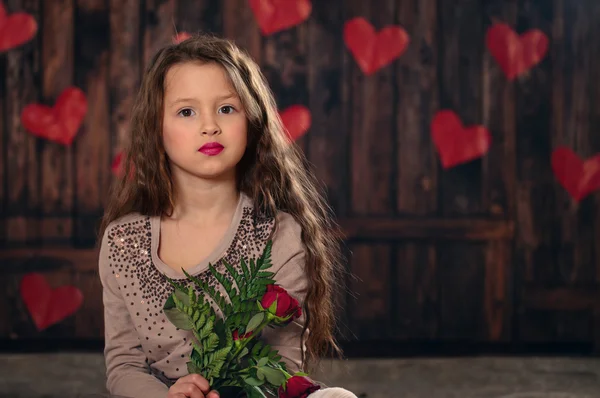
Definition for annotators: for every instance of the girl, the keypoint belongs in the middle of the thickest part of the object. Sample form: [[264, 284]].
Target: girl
[[209, 176]]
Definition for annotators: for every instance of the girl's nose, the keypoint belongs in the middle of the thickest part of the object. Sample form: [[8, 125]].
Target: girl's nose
[[210, 127]]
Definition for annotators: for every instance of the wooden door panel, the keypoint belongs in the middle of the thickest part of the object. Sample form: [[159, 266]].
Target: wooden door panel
[[493, 250]]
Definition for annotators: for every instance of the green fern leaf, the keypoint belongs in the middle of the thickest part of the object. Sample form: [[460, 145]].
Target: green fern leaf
[[265, 258], [207, 328], [265, 274], [221, 354], [198, 347], [201, 321], [197, 335], [239, 279], [253, 268], [216, 368], [177, 286], [228, 339], [196, 316], [222, 279], [192, 368], [215, 295], [211, 342], [245, 271]]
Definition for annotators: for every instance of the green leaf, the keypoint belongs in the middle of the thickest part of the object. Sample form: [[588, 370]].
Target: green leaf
[[274, 376], [243, 353], [265, 351], [260, 374], [254, 392], [170, 303], [257, 347], [179, 319], [262, 362], [255, 321], [182, 296], [273, 307], [192, 368], [254, 382]]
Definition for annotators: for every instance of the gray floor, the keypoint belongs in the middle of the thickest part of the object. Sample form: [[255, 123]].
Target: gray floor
[[73, 375]]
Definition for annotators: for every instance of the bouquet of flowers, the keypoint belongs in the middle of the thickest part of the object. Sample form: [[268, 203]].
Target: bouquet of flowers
[[227, 351]]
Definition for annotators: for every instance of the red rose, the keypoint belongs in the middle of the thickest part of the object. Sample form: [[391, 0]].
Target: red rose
[[286, 306], [298, 387]]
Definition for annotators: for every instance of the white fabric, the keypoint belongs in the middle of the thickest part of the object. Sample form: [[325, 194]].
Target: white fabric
[[332, 392]]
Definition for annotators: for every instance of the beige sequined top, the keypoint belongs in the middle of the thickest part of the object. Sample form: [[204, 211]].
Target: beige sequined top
[[144, 352]]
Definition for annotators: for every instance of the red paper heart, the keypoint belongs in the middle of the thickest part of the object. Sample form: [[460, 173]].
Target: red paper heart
[[181, 36], [116, 167], [59, 123], [46, 306], [516, 54], [373, 50], [455, 143], [578, 177], [275, 15], [297, 120], [16, 29]]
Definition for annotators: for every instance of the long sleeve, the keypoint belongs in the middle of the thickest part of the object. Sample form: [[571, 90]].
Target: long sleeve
[[127, 372], [287, 256]]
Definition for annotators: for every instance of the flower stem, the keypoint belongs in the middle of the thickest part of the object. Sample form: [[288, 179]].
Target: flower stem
[[244, 342]]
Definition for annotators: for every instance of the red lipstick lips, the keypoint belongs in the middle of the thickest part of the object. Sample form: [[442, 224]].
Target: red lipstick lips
[[211, 148]]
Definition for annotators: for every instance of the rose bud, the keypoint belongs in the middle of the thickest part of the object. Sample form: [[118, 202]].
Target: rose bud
[[279, 303], [297, 387], [236, 335]]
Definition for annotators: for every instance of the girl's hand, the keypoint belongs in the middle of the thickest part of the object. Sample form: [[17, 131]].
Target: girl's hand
[[192, 386]]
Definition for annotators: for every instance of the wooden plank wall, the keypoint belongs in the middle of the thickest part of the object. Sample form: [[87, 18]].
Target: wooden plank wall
[[494, 250]]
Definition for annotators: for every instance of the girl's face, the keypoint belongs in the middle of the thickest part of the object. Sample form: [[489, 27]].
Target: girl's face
[[204, 125]]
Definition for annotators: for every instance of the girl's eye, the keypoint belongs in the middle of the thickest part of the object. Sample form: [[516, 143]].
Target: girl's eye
[[186, 112], [227, 109]]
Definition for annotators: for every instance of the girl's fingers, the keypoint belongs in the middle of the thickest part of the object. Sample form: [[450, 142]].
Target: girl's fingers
[[213, 394], [198, 380], [185, 390]]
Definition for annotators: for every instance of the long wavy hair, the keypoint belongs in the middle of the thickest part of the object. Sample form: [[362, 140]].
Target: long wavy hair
[[273, 172]]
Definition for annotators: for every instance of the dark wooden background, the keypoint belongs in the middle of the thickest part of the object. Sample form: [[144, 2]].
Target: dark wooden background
[[493, 251]]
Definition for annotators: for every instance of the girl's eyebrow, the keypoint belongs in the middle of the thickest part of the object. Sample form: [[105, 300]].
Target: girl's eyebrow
[[226, 96], [178, 100], [218, 98]]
